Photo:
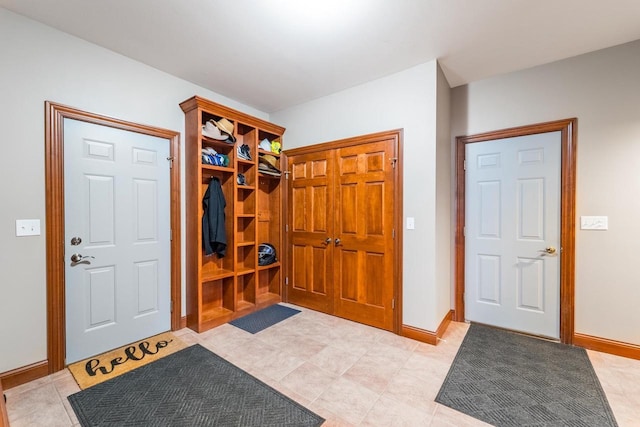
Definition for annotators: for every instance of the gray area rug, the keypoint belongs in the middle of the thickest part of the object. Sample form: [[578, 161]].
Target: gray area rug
[[507, 379], [262, 319], [192, 387]]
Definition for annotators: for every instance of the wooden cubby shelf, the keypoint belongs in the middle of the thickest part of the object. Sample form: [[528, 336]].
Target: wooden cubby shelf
[[275, 265], [267, 299], [217, 276], [261, 151], [220, 289], [223, 169]]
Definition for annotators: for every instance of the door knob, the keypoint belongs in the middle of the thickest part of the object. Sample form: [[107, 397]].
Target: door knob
[[77, 258], [75, 241], [548, 251], [337, 242], [327, 240]]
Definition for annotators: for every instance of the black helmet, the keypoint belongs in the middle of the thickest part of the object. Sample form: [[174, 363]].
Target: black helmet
[[266, 254]]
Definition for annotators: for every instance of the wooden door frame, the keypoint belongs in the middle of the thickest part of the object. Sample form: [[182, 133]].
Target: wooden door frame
[[569, 131], [397, 136], [55, 216]]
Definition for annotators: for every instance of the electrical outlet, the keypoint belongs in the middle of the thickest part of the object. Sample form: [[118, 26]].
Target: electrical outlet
[[594, 222], [411, 223], [27, 227]]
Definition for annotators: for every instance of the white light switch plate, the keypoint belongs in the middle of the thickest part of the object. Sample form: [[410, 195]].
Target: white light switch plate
[[594, 222], [411, 223], [27, 227]]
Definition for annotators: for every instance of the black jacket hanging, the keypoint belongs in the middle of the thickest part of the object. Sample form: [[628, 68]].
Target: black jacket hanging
[[214, 235]]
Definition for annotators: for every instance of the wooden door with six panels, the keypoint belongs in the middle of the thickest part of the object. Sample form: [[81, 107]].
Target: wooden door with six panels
[[341, 216]]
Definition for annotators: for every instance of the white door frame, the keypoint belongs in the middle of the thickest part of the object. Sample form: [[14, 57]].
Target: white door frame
[[568, 130], [54, 189]]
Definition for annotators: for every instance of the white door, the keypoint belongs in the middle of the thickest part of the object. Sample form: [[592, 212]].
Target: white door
[[117, 218], [512, 264]]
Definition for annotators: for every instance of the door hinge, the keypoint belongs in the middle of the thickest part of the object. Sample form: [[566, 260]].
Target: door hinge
[[393, 233], [286, 228], [170, 158], [171, 234], [286, 174], [286, 281], [393, 161], [393, 304], [171, 308], [464, 231]]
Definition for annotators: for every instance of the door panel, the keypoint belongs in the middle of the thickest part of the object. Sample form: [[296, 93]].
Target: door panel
[[512, 215], [117, 203], [101, 297], [146, 282], [310, 207], [364, 227], [99, 192]]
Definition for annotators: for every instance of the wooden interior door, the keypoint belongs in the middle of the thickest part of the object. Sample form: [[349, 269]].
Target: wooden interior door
[[363, 241], [341, 213], [310, 213]]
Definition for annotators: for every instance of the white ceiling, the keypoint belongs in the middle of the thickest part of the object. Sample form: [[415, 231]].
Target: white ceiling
[[272, 54]]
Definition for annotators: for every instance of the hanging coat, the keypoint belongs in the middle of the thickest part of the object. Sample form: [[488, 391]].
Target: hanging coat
[[214, 235]]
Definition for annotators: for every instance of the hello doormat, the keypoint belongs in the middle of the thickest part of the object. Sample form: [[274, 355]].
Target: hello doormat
[[97, 369]]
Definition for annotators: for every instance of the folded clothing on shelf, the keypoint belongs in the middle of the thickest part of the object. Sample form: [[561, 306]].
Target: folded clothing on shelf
[[212, 157]]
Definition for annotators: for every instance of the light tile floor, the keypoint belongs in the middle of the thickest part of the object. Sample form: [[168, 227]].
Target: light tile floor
[[348, 373]]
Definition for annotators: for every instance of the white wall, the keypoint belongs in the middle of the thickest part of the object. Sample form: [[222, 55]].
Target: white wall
[[444, 172], [601, 89], [403, 100], [38, 63]]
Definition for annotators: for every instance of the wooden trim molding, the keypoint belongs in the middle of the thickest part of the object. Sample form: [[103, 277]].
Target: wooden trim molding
[[4, 416], [568, 131], [24, 374], [398, 226], [427, 336], [605, 345], [54, 185]]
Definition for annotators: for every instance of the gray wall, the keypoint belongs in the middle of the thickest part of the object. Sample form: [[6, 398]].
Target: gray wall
[[601, 89], [38, 63], [409, 100], [445, 225]]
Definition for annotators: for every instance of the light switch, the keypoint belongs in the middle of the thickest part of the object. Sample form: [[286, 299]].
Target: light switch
[[411, 223], [594, 222], [27, 227]]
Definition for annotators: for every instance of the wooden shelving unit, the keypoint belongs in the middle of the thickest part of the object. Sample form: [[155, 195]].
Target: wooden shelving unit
[[222, 289]]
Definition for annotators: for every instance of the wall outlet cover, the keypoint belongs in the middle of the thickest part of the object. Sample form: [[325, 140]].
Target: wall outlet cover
[[411, 223], [27, 227], [594, 222]]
